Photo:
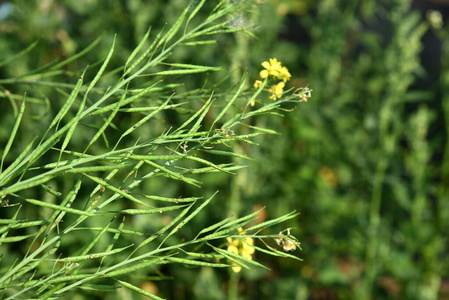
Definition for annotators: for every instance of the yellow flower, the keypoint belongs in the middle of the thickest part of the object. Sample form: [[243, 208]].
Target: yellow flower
[[272, 68], [277, 90], [242, 247], [275, 64], [284, 74], [275, 69], [257, 84]]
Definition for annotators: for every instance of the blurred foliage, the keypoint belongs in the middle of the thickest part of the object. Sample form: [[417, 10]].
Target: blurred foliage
[[365, 161]]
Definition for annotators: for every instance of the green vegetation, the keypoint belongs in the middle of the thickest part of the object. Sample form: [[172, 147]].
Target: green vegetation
[[156, 149]]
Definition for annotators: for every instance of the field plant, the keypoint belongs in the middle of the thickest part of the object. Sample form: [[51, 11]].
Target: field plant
[[366, 160], [110, 172]]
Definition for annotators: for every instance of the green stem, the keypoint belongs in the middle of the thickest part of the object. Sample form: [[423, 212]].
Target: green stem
[[371, 251], [233, 285]]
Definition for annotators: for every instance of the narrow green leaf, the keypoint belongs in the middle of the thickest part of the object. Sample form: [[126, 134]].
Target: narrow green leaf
[[166, 227], [96, 169], [39, 151], [225, 232], [172, 31], [92, 255], [9, 221], [146, 118], [225, 167], [57, 216], [186, 71], [68, 103], [139, 290], [51, 191], [213, 227], [115, 190], [72, 128], [198, 122], [223, 31], [203, 255], [108, 121], [112, 230], [41, 73], [98, 288], [14, 131], [173, 200], [233, 259], [33, 265], [96, 239], [31, 284], [240, 89], [217, 9], [173, 174], [207, 30], [67, 278], [137, 49], [275, 252], [205, 107], [194, 12], [100, 186], [196, 263], [22, 224], [206, 162], [183, 137], [94, 82], [190, 66], [198, 43], [29, 183], [79, 54], [60, 208], [28, 263], [6, 231], [147, 109], [20, 54], [240, 258], [158, 210], [245, 219], [191, 216], [115, 238], [269, 131], [246, 31], [228, 153], [255, 95], [14, 239], [273, 221], [102, 68], [135, 266], [128, 100], [145, 54]]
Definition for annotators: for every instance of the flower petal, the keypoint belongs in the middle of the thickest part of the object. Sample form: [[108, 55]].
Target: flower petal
[[247, 255], [257, 84], [236, 268], [248, 249]]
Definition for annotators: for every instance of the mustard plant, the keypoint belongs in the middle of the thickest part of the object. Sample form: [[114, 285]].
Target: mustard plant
[[79, 212]]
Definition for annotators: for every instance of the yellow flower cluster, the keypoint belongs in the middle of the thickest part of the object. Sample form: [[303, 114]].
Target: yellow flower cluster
[[274, 70], [242, 247], [277, 90]]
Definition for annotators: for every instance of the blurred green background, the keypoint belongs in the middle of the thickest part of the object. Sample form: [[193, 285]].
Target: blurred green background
[[365, 161]]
